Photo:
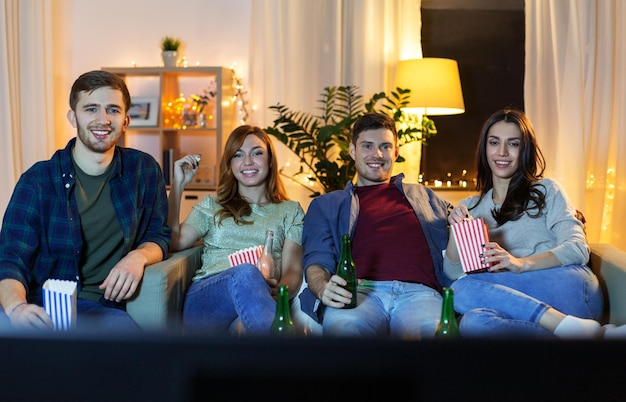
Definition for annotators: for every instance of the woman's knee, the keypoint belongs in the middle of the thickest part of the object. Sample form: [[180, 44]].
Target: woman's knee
[[245, 273]]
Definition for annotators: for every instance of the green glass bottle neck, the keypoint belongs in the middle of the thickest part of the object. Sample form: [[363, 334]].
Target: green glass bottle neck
[[448, 303], [283, 302]]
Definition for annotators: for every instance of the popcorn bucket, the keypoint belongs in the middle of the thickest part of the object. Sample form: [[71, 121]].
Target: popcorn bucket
[[470, 235], [59, 301], [248, 255]]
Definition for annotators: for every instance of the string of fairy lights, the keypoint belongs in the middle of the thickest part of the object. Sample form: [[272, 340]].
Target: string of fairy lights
[[195, 111], [241, 95]]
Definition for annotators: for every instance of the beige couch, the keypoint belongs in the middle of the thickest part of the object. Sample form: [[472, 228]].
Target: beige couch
[[157, 305]]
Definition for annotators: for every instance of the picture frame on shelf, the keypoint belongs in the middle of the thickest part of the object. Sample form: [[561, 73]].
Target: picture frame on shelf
[[144, 111]]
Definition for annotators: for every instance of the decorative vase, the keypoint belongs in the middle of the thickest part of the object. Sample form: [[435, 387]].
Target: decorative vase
[[202, 120], [190, 117], [170, 58]]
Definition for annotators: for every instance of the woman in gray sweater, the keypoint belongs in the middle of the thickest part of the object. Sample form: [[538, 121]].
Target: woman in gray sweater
[[537, 283]]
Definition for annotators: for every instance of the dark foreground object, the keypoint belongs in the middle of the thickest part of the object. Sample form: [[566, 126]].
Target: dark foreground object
[[157, 367]]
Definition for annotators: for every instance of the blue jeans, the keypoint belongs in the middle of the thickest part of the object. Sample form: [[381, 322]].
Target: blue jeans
[[103, 316], [387, 308], [510, 305], [94, 317], [236, 295]]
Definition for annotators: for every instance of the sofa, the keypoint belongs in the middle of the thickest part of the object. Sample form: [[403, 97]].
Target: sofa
[[157, 305]]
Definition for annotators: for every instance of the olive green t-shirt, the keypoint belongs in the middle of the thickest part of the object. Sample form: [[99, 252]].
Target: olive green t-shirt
[[102, 234]]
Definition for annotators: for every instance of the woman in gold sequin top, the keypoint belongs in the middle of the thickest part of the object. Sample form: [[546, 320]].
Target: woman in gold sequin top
[[250, 200]]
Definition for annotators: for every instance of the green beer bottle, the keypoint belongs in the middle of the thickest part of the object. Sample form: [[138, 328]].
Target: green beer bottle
[[448, 327], [347, 270], [282, 325]]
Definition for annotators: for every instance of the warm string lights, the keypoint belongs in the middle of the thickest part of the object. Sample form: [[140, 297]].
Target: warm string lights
[[183, 113], [449, 182], [240, 96], [187, 112]]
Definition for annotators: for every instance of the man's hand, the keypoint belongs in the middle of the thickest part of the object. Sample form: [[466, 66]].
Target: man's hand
[[334, 294], [124, 278], [30, 316]]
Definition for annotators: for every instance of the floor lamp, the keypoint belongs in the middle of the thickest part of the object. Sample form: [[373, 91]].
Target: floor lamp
[[435, 87]]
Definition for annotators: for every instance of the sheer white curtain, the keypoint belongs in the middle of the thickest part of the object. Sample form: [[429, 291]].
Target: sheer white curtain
[[575, 94], [298, 47], [26, 120]]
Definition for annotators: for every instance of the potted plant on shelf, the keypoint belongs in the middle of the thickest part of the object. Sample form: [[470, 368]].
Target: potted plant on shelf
[[321, 141], [169, 50]]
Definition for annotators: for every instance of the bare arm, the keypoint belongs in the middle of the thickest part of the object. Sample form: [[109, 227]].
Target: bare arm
[[291, 267], [124, 278], [183, 236]]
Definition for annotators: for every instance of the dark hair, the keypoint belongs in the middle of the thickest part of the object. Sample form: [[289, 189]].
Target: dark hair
[[227, 189], [92, 80], [522, 195], [373, 121]]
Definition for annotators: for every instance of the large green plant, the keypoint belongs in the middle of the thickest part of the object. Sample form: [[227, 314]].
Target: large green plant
[[321, 141]]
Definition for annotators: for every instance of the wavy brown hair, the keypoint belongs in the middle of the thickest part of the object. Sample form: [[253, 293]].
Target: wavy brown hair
[[523, 195], [233, 205]]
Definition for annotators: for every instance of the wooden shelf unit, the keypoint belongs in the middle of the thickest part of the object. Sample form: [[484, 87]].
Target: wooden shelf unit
[[166, 138]]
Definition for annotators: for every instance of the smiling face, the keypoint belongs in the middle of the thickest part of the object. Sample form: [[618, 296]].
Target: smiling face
[[250, 164], [100, 119], [374, 154], [503, 149]]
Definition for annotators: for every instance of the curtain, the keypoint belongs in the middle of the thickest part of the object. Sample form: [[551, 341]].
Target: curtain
[[26, 109], [299, 47], [575, 94]]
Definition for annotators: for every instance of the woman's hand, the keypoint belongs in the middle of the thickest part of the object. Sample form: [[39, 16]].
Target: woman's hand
[[500, 260], [185, 169], [459, 214], [273, 284]]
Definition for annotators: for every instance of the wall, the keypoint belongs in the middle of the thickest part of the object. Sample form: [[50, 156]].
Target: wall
[[214, 32], [120, 32]]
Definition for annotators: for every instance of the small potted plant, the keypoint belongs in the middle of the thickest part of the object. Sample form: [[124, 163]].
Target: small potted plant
[[169, 50]]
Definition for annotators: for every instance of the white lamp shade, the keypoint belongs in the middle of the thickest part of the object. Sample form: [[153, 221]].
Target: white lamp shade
[[435, 86]]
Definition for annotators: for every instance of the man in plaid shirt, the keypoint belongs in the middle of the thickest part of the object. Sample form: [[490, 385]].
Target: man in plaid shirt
[[95, 213]]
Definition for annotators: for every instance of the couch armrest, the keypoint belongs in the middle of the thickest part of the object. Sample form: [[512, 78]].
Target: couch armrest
[[609, 265], [157, 305]]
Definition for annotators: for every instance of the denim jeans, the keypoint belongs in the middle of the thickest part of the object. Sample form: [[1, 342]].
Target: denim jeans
[[509, 305], [237, 295], [94, 317], [387, 308], [103, 316]]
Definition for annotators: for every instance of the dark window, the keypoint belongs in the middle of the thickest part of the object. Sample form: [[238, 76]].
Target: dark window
[[487, 40]]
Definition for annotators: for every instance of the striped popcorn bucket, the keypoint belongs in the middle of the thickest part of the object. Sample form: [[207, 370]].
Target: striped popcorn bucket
[[470, 235], [59, 301]]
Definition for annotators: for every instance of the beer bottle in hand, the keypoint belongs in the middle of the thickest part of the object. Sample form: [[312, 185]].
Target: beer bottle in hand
[[347, 270], [266, 260], [448, 327], [282, 325]]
